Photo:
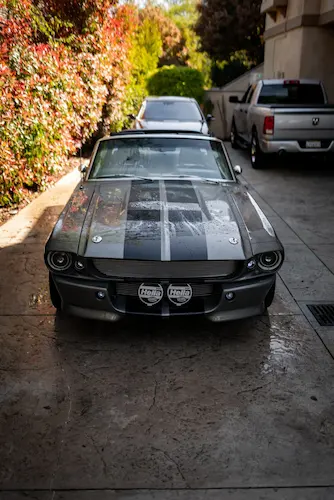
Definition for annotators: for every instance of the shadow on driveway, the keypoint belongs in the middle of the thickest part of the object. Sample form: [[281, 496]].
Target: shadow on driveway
[[154, 404]]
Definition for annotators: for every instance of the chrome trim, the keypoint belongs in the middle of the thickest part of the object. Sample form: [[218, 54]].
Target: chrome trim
[[131, 289]]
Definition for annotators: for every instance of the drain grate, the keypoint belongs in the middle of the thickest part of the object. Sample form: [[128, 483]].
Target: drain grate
[[323, 313]]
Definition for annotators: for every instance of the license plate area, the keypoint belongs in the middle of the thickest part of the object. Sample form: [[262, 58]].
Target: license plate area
[[313, 144]]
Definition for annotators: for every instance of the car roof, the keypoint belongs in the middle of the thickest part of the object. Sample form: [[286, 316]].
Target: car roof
[[170, 98], [303, 81], [162, 133]]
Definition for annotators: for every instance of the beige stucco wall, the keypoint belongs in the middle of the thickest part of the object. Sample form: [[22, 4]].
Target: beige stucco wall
[[317, 59], [327, 5], [300, 42], [282, 55]]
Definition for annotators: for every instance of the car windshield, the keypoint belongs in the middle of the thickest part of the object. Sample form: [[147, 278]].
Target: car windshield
[[159, 157], [295, 94], [172, 110]]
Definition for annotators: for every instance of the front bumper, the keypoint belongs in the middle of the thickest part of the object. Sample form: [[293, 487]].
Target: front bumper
[[293, 147], [80, 298]]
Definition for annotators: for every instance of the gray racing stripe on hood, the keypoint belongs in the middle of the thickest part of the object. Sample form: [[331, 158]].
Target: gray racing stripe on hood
[[219, 224]]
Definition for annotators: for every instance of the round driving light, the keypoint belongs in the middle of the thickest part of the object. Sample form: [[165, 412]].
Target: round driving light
[[100, 295], [270, 261], [79, 265], [59, 261], [229, 296], [251, 264]]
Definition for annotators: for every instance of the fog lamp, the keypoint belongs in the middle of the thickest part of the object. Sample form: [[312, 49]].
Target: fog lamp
[[100, 295]]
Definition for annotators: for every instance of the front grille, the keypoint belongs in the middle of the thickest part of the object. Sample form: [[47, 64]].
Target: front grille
[[323, 313], [131, 289], [165, 270]]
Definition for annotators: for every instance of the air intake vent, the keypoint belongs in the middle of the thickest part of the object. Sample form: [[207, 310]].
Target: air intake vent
[[323, 313]]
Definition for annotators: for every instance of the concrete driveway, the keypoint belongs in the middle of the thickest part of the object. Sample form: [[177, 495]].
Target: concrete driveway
[[148, 410]]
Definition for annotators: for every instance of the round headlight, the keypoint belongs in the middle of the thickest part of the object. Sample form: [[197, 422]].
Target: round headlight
[[270, 261], [59, 261]]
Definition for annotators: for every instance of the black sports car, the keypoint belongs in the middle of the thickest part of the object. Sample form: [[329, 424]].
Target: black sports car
[[161, 226]]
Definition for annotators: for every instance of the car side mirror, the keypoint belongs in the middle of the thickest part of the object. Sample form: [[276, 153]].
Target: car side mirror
[[237, 170], [82, 169], [234, 99], [210, 118], [131, 116]]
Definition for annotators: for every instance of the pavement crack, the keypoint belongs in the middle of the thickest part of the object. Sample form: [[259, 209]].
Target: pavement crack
[[171, 459], [253, 389], [188, 357], [154, 395], [62, 442], [100, 454]]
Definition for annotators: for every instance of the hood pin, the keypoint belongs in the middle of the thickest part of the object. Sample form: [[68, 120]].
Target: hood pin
[[233, 241], [97, 239]]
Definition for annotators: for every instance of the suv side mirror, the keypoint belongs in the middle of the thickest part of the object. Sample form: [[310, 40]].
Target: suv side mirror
[[82, 169], [237, 170], [234, 99], [210, 118], [131, 116]]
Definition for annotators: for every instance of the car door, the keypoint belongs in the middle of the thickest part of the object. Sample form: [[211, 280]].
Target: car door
[[238, 112], [243, 132]]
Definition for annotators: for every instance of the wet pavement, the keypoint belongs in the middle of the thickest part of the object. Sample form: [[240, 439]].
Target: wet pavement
[[162, 410]]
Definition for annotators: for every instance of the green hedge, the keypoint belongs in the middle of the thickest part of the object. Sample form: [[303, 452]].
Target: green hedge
[[179, 81]]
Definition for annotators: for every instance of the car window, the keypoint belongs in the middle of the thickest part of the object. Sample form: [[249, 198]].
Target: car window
[[244, 99], [250, 95], [297, 94], [172, 110], [158, 157]]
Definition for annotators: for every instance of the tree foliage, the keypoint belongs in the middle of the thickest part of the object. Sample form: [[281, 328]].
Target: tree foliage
[[177, 81], [63, 66], [185, 14], [228, 26]]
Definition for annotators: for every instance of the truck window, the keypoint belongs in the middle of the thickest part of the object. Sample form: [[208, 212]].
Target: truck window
[[244, 99], [250, 95], [295, 94]]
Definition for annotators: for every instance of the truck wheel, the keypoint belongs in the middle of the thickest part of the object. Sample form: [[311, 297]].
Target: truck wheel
[[54, 295], [270, 296], [257, 157], [234, 136]]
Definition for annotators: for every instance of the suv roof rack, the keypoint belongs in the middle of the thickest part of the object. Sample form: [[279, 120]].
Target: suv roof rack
[[147, 131]]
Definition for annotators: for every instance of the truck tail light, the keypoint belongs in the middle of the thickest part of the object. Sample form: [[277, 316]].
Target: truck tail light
[[269, 125], [291, 82]]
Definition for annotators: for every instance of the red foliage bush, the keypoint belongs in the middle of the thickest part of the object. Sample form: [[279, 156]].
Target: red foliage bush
[[63, 66]]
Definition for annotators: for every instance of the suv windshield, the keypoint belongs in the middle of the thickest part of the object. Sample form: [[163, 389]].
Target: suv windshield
[[292, 93], [172, 110], [159, 157]]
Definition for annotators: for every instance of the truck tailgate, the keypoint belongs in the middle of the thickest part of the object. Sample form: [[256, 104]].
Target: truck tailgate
[[304, 124]]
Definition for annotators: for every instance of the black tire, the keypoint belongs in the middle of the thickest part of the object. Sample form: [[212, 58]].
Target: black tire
[[54, 294], [257, 157], [234, 136], [270, 296]]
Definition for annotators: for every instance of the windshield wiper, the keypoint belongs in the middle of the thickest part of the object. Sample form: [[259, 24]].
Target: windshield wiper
[[126, 176], [198, 178]]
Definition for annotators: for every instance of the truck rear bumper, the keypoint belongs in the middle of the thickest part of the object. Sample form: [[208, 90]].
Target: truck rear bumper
[[293, 147]]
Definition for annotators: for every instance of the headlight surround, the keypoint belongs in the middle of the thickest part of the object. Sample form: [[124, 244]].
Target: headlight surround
[[270, 261], [59, 261]]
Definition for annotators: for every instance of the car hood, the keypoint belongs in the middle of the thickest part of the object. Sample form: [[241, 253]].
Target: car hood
[[187, 126], [163, 220]]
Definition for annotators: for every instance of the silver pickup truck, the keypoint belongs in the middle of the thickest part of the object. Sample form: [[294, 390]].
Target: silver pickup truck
[[283, 116]]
